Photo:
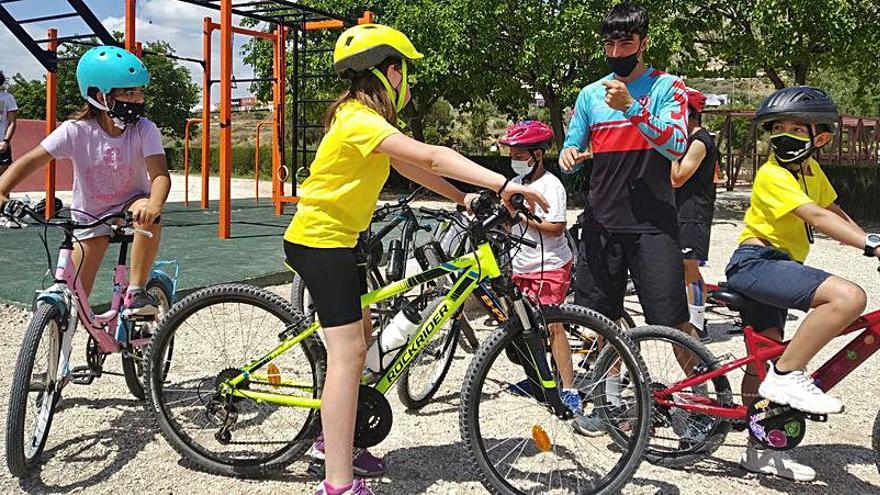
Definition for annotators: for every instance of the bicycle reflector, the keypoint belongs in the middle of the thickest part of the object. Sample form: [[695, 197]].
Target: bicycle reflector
[[775, 426], [274, 374], [541, 439]]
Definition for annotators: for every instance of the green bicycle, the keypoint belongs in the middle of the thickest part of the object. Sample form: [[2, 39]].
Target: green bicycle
[[243, 395]]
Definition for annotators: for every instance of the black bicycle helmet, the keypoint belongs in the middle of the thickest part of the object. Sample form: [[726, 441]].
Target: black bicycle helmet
[[806, 103]]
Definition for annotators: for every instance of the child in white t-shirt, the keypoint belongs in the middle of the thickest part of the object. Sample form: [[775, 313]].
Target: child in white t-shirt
[[543, 273], [118, 162]]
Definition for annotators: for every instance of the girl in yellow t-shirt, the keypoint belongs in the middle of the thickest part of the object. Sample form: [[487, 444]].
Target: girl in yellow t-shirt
[[791, 196], [336, 203]]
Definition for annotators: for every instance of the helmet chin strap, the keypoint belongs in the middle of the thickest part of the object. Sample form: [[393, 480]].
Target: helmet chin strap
[[117, 122], [398, 99]]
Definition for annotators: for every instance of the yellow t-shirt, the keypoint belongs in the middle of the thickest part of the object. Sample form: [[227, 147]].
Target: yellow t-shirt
[[775, 195], [337, 200]]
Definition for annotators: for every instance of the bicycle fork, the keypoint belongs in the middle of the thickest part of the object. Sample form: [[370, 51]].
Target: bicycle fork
[[533, 359]]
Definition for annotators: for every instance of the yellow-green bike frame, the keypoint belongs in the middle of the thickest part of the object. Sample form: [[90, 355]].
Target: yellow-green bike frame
[[472, 269]]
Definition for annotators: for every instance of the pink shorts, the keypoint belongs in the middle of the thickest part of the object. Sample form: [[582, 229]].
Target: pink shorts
[[549, 287]]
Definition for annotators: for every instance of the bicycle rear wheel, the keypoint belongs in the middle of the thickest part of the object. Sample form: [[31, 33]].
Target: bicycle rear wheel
[[520, 446], [216, 331], [35, 390], [681, 438], [133, 362]]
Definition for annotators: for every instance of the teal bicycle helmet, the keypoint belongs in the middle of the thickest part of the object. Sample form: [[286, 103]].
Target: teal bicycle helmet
[[107, 67]]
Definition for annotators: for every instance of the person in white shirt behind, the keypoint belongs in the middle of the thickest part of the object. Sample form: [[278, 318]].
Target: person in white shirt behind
[[544, 273], [8, 114]]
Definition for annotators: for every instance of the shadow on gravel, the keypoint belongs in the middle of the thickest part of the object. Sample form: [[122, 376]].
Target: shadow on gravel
[[87, 460], [830, 462]]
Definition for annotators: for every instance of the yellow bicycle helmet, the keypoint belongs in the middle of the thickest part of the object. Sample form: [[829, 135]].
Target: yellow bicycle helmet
[[361, 48], [365, 46]]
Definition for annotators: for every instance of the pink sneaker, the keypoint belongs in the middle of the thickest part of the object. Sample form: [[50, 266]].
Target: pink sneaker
[[358, 487], [363, 462]]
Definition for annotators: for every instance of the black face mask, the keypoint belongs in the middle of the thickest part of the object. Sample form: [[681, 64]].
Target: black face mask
[[790, 148], [623, 66], [125, 113]]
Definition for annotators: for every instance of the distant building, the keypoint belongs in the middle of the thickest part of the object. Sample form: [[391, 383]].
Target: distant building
[[716, 100], [244, 104]]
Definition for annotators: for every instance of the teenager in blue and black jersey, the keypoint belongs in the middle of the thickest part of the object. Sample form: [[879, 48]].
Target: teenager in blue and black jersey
[[635, 123]]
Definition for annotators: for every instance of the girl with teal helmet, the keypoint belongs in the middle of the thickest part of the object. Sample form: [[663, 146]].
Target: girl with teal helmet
[[105, 68], [118, 164]]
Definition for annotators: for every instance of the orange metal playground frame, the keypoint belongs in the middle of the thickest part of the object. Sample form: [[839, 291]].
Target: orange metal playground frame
[[279, 38]]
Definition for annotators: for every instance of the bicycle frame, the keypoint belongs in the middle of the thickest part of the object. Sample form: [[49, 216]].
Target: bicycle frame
[[761, 349], [473, 268]]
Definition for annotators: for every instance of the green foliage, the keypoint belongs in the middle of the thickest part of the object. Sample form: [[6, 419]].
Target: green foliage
[[30, 96], [170, 96], [784, 39]]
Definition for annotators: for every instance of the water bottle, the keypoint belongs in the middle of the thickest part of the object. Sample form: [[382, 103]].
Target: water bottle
[[394, 269], [399, 330]]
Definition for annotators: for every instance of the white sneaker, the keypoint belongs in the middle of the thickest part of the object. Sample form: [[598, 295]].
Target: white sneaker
[[796, 389], [776, 463]]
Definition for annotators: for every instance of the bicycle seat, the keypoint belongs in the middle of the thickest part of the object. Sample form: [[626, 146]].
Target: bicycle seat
[[725, 296]]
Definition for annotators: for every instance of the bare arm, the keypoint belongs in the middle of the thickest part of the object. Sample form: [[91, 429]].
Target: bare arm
[[445, 162], [683, 170], [552, 228], [433, 182], [160, 180], [21, 169], [837, 210], [832, 224], [12, 118]]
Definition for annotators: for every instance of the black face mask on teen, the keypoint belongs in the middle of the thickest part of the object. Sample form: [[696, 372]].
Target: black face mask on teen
[[623, 66]]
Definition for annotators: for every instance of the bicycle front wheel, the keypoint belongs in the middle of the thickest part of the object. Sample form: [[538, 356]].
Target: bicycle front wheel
[[216, 332], [516, 441], [35, 390]]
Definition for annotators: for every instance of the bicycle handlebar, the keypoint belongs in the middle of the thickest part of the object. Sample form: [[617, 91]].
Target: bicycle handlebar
[[18, 210]]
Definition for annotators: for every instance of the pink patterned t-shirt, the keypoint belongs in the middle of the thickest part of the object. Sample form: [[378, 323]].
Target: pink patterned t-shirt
[[108, 171]]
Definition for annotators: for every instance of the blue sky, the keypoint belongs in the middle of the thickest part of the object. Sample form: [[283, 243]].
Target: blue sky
[[174, 21]]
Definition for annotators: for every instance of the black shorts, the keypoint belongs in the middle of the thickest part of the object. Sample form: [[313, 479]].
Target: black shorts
[[6, 156], [334, 278], [694, 239], [653, 260]]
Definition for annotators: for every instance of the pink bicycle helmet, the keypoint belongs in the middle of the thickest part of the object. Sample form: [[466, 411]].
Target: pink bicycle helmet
[[529, 134]]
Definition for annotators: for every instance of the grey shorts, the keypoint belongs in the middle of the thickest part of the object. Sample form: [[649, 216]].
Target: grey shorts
[[770, 277], [103, 229]]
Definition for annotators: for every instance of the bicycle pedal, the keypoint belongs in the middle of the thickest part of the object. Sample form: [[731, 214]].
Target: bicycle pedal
[[82, 375], [819, 418]]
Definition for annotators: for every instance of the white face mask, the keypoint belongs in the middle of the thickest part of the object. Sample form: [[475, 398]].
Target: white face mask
[[521, 167]]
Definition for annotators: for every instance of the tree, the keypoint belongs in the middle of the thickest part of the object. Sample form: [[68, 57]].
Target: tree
[[449, 70], [170, 96], [784, 39], [550, 47], [30, 96]]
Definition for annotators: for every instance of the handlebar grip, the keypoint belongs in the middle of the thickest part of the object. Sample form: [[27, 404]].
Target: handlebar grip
[[433, 211], [526, 242]]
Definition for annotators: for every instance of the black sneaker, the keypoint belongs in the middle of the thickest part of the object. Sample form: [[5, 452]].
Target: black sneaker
[[139, 303]]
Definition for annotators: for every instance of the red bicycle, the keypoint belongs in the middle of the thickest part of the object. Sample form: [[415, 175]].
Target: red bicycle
[[694, 405]]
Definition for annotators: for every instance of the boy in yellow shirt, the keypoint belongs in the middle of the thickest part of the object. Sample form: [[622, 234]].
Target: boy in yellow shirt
[[792, 196]]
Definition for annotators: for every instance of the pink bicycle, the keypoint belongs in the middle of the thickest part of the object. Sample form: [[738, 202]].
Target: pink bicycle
[[43, 367]]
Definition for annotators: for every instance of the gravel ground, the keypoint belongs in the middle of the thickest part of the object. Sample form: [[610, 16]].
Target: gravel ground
[[102, 440]]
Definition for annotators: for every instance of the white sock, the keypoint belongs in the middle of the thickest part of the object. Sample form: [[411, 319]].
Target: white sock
[[133, 288], [612, 390], [698, 316]]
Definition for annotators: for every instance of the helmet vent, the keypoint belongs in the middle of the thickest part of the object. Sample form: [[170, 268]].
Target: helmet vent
[[131, 69], [349, 40]]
